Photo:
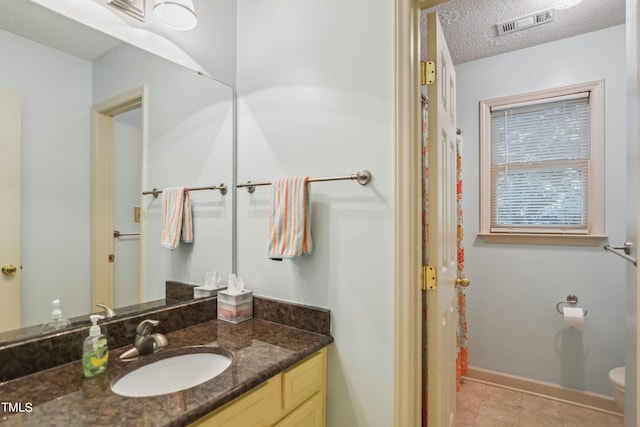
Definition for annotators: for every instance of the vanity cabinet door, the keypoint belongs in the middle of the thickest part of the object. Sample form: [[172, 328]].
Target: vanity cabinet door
[[296, 397], [260, 407], [309, 414], [303, 380]]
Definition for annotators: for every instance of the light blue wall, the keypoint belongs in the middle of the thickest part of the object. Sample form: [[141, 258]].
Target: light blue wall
[[315, 83], [55, 168], [513, 324], [189, 143]]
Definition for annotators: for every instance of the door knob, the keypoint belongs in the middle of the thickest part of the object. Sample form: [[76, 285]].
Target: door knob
[[9, 269], [462, 281]]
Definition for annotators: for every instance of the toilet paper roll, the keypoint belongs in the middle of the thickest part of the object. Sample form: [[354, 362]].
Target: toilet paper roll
[[573, 316]]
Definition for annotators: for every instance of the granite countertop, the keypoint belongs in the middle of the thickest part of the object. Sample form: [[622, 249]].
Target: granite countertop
[[62, 396]]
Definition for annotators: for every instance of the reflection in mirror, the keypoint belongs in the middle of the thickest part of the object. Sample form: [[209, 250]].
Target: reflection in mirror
[[182, 135]]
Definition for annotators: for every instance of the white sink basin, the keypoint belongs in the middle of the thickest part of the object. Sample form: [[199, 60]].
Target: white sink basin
[[171, 374]]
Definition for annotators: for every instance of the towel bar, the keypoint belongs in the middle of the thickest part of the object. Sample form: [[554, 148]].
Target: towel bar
[[117, 234], [622, 251], [222, 187], [363, 177]]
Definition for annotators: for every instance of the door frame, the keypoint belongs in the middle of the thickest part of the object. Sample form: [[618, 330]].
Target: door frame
[[408, 212], [102, 174]]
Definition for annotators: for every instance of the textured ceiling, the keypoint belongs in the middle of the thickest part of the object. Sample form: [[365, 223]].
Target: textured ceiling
[[469, 25]]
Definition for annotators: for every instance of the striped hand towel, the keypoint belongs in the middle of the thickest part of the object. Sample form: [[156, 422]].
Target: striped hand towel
[[177, 224], [289, 220]]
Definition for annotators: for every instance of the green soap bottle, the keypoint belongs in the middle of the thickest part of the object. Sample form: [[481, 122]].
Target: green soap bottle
[[95, 351]]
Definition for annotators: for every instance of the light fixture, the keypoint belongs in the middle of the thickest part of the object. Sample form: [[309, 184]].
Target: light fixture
[[133, 8], [176, 14]]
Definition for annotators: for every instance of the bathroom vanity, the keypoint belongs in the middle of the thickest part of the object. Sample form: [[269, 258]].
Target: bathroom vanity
[[277, 377]]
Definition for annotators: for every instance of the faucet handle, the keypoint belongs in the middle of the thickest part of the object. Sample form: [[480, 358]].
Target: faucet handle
[[144, 328], [108, 311]]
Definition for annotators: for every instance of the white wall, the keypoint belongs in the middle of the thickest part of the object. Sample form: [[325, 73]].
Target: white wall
[[315, 85], [513, 324], [56, 97]]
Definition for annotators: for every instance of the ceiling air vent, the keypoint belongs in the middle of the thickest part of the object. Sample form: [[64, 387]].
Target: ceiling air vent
[[525, 22]]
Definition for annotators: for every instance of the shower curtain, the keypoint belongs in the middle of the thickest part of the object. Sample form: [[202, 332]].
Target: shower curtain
[[462, 361], [461, 337]]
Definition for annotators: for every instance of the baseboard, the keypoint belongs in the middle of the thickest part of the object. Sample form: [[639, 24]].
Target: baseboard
[[549, 390]]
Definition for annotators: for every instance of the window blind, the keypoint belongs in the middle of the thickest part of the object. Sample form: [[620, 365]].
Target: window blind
[[540, 157]]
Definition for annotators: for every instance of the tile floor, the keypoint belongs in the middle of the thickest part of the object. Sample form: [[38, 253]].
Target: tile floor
[[483, 405]]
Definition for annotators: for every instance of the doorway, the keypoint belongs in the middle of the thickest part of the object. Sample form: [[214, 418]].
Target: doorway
[[121, 116], [126, 207], [405, 119]]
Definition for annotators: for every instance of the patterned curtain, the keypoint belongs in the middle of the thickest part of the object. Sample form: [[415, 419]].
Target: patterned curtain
[[462, 362], [461, 338]]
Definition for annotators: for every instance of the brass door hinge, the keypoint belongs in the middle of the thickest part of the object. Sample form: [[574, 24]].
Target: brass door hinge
[[112, 258], [428, 278], [427, 72]]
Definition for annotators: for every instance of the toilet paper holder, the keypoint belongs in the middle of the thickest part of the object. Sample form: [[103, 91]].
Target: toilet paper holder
[[571, 299]]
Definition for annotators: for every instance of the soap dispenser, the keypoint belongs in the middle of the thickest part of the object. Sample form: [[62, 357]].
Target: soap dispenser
[[95, 351], [57, 322]]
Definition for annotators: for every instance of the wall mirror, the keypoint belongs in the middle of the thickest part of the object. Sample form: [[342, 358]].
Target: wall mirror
[[182, 136]]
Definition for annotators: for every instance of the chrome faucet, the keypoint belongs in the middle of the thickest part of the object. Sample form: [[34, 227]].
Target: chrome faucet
[[145, 342], [108, 311]]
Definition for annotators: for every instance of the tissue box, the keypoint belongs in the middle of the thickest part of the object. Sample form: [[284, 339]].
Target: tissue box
[[235, 308], [202, 291]]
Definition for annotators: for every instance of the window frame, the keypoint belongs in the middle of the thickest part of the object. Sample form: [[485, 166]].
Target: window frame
[[517, 235]]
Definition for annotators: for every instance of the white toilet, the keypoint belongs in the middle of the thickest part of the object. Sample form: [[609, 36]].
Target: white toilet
[[616, 375]]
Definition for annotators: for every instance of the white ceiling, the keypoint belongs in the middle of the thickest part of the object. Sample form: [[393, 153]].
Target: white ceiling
[[469, 25]]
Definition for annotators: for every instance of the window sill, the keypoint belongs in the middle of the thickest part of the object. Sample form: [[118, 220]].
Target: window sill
[[543, 239]]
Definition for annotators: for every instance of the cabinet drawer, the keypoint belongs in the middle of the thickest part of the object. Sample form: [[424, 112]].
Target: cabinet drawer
[[303, 380], [309, 414], [259, 407]]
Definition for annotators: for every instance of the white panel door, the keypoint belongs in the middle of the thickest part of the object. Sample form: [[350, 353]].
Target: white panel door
[[10, 124], [442, 245]]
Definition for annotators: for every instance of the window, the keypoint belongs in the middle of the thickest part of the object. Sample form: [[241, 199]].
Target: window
[[542, 167]]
